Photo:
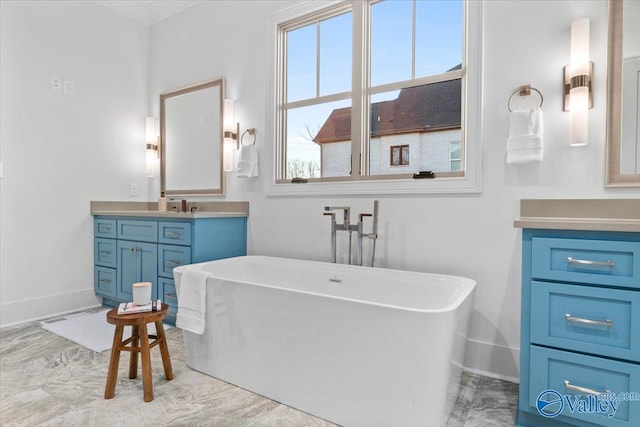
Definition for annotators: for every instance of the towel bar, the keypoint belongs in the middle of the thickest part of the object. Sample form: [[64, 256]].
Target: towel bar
[[251, 131], [524, 91]]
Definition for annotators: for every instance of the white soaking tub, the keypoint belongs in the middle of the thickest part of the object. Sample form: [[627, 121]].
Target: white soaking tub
[[357, 346]]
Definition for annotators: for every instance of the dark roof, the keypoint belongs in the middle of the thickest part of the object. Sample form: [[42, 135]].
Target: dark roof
[[416, 109]]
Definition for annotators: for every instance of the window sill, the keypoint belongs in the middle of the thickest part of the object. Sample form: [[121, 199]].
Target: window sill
[[442, 185]]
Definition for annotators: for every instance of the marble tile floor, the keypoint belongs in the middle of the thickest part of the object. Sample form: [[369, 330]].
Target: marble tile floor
[[46, 380]]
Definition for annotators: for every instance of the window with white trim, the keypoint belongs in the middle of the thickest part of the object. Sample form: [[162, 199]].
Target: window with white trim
[[355, 78]]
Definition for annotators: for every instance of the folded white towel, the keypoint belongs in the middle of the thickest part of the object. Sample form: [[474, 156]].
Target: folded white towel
[[248, 161], [192, 293], [525, 143]]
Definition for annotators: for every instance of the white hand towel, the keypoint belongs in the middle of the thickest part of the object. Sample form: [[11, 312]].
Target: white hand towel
[[192, 295], [525, 144], [248, 161]]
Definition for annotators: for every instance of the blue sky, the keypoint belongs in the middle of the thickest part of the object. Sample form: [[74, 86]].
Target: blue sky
[[438, 47]]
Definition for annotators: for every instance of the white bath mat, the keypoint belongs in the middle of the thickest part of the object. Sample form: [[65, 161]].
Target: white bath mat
[[90, 330]]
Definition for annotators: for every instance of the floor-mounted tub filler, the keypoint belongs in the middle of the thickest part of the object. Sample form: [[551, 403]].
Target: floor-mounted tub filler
[[357, 346]]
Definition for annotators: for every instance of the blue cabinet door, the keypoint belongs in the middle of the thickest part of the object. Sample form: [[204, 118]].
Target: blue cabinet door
[[137, 262]]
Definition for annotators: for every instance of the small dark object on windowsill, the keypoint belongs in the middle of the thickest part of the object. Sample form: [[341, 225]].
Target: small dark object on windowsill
[[299, 181], [424, 174]]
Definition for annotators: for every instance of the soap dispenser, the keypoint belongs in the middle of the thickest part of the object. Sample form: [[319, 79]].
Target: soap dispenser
[[162, 203]]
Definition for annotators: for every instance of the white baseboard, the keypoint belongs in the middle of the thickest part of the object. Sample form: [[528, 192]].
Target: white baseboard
[[38, 308], [493, 360]]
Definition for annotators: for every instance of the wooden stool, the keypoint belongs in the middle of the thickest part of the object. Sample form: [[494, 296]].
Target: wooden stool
[[139, 344]]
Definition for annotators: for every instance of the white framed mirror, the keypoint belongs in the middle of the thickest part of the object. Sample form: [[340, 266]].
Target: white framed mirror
[[623, 95], [191, 140]]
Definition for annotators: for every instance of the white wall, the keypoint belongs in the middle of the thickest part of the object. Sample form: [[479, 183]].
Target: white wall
[[470, 235], [60, 150]]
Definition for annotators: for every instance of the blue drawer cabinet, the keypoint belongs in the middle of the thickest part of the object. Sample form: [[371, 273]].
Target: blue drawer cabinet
[[105, 228], [142, 231], [105, 281], [175, 233], [129, 250], [104, 252], [580, 328], [585, 319], [577, 374], [172, 256], [599, 262], [167, 288]]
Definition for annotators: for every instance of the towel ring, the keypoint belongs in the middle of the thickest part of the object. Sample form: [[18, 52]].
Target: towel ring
[[524, 91], [251, 131]]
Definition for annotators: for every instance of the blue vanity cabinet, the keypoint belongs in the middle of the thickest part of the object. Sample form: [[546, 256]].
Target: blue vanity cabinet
[[580, 328], [147, 249]]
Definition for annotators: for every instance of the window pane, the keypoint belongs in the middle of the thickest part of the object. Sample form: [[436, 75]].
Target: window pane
[[335, 54], [319, 140], [301, 63], [456, 153], [425, 118], [390, 41], [405, 155], [438, 36], [395, 155]]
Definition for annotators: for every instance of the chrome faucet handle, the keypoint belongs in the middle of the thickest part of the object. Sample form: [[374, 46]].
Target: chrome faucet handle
[[346, 209]]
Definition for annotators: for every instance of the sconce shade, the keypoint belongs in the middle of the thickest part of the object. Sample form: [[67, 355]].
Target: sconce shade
[[579, 83], [230, 135], [228, 124], [151, 130], [227, 161], [150, 161], [151, 146]]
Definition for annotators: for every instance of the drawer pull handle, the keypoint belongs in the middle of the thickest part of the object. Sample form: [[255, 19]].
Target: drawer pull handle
[[606, 323], [171, 296], [171, 234], [172, 262], [608, 263], [584, 390], [105, 280], [105, 252]]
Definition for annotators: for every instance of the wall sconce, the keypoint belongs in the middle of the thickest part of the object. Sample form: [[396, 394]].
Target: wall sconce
[[152, 146], [231, 129], [578, 97]]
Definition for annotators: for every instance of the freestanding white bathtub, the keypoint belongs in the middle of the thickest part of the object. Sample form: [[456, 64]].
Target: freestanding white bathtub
[[357, 346]]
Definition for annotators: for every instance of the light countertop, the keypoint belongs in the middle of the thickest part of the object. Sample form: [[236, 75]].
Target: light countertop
[[150, 209], [580, 214]]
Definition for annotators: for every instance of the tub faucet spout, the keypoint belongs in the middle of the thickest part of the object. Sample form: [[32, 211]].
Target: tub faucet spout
[[347, 215]]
